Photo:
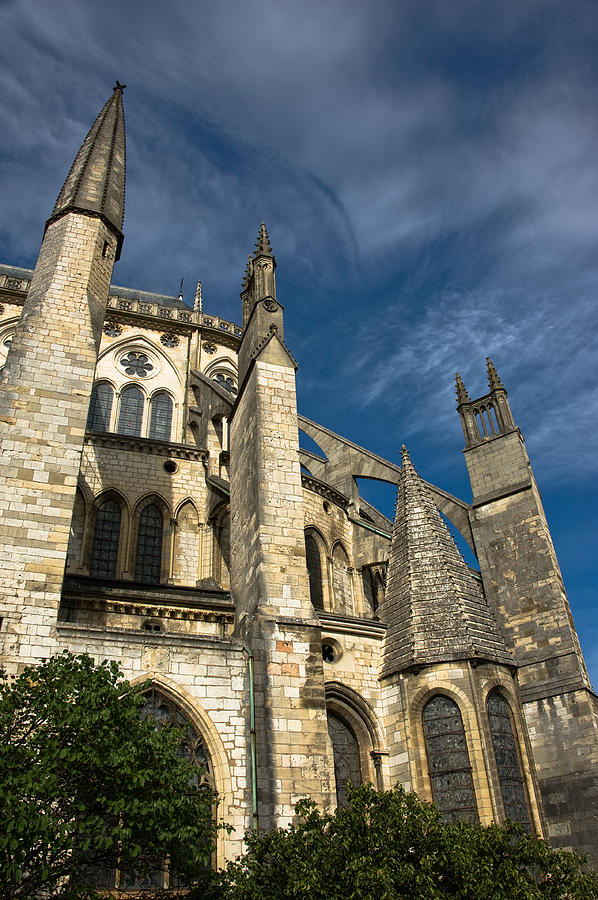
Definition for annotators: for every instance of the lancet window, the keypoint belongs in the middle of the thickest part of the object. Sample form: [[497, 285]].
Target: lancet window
[[347, 766], [160, 417], [131, 411], [100, 407], [314, 570], [507, 760], [448, 761], [104, 551], [148, 559]]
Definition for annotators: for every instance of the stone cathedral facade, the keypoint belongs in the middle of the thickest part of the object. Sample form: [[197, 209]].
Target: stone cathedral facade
[[157, 510]]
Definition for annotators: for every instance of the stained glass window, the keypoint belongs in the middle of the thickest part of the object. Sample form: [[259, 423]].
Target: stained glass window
[[161, 417], [347, 765], [131, 411], [448, 761], [507, 761], [104, 551], [148, 560], [314, 570], [100, 407], [165, 712]]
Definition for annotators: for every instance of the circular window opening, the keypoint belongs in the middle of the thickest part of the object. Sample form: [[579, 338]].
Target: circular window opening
[[327, 508], [170, 466], [331, 651]]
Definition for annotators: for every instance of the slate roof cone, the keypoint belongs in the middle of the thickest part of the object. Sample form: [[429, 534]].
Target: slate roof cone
[[494, 381], [434, 608], [262, 246], [462, 395], [96, 181]]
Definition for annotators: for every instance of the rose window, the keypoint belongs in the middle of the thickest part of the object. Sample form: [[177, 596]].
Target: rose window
[[226, 382], [135, 363]]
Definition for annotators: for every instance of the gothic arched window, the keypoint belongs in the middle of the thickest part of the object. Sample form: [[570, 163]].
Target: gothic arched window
[[148, 559], [100, 407], [104, 551], [448, 761], [314, 570], [507, 760], [161, 417], [161, 708], [347, 765], [131, 411]]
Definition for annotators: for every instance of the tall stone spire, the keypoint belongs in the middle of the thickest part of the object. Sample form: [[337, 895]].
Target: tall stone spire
[[95, 183], [434, 608]]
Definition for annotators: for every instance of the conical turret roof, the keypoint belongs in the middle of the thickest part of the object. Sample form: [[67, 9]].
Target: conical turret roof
[[435, 608], [96, 180]]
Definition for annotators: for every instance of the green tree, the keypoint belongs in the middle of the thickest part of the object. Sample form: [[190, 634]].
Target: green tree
[[87, 783], [392, 846]]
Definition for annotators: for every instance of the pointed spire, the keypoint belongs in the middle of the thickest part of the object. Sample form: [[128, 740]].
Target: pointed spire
[[434, 608], [96, 180], [494, 381], [262, 246], [462, 395]]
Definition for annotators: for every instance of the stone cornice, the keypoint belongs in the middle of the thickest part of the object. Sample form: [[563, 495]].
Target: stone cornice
[[145, 445]]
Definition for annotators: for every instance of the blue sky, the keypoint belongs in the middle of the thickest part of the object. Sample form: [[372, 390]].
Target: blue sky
[[429, 177]]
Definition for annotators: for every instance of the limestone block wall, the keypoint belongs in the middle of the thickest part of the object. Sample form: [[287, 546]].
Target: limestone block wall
[[133, 471], [404, 698], [208, 678], [45, 388]]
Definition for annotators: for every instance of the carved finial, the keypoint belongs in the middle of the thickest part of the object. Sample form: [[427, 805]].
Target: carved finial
[[494, 381], [118, 86], [248, 273], [262, 247], [462, 395]]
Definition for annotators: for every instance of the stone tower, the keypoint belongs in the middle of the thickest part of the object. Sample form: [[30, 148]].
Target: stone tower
[[523, 581], [47, 381], [269, 578]]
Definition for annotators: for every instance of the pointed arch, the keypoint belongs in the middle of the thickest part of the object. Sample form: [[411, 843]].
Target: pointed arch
[[354, 735], [193, 708], [151, 534], [186, 559], [341, 581], [220, 522], [101, 405], [315, 558], [507, 758], [161, 414], [449, 760], [130, 410], [74, 556], [108, 528]]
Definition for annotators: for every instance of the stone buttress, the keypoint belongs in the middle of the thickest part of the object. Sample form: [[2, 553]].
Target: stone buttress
[[46, 385], [269, 580], [523, 581]]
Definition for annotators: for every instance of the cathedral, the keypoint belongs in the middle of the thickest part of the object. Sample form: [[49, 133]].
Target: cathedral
[[158, 510]]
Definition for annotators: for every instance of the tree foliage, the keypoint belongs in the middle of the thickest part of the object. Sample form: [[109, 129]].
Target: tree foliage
[[86, 783], [392, 846]]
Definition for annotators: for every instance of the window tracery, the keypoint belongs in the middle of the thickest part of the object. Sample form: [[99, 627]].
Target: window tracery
[[507, 760], [161, 416], [314, 571], [106, 536], [448, 760], [347, 765], [130, 417], [100, 407], [148, 558]]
